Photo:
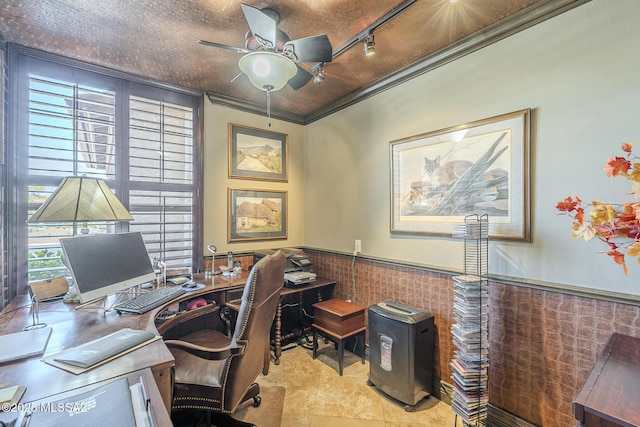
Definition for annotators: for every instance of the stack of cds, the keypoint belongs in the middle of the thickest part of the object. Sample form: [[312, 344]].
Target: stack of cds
[[471, 361]]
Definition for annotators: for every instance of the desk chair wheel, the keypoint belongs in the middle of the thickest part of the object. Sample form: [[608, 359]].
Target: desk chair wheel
[[257, 401]]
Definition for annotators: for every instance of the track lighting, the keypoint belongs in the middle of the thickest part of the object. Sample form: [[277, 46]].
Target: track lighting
[[318, 74], [369, 45]]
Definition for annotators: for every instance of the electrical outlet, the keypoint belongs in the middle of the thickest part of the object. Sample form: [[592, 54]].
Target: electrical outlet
[[358, 248]]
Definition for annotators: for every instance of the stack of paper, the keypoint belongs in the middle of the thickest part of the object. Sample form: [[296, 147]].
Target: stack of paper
[[299, 277]]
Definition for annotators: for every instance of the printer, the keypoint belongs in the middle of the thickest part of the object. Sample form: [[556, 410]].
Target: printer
[[296, 259], [297, 270]]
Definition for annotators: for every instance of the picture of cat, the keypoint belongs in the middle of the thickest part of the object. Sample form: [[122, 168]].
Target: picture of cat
[[460, 186], [442, 175]]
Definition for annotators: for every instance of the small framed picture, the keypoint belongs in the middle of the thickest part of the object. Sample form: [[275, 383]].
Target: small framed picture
[[257, 154], [257, 215]]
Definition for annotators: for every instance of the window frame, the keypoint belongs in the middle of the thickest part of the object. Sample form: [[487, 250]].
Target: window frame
[[19, 60]]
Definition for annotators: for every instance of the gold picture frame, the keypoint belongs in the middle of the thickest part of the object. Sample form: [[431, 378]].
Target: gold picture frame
[[438, 178], [256, 214], [257, 154]]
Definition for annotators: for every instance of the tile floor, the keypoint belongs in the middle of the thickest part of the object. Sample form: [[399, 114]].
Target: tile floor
[[316, 396]]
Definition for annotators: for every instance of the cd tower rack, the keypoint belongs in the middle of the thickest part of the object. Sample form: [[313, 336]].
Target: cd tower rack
[[470, 362]]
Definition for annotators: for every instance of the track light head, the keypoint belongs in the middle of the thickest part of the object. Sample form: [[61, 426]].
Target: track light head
[[318, 74], [369, 45]]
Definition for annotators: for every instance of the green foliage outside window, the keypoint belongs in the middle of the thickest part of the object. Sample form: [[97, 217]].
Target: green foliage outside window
[[45, 264]]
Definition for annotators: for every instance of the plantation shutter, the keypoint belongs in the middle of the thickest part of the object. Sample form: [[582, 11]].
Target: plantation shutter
[[138, 137], [71, 132], [161, 177]]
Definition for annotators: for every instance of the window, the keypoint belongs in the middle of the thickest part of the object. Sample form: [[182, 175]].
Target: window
[[141, 139], [71, 131], [161, 153], [4, 283]]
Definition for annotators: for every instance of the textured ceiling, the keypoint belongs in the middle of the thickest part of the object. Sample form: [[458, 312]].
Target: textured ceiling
[[157, 39]]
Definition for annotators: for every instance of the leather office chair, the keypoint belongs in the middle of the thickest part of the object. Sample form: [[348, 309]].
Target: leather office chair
[[215, 373]]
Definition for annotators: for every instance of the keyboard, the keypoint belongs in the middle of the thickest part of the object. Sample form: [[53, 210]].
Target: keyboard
[[146, 301]]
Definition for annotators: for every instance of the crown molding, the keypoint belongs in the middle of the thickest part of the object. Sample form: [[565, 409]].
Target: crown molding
[[526, 18], [250, 107]]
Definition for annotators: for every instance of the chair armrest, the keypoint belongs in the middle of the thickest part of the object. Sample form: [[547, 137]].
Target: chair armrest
[[229, 313], [208, 353], [233, 305], [207, 317]]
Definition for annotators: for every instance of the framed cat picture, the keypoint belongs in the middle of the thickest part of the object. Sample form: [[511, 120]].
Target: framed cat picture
[[479, 168]]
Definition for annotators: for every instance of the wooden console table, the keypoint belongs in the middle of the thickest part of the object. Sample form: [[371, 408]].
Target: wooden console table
[[610, 395]]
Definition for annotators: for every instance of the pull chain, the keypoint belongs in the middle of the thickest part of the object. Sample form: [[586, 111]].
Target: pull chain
[[268, 89]]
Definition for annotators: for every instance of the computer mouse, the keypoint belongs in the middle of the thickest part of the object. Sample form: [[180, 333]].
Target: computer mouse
[[190, 285]]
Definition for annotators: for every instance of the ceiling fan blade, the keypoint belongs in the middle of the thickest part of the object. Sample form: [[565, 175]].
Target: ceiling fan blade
[[224, 46], [260, 24], [301, 78], [311, 49]]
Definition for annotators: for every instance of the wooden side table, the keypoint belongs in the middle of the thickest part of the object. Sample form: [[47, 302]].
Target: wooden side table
[[609, 396], [337, 320]]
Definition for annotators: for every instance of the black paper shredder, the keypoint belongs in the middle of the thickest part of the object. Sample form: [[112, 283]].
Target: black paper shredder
[[401, 351]]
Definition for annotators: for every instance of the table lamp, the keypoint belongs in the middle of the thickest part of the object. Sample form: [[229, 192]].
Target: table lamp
[[81, 199], [213, 250]]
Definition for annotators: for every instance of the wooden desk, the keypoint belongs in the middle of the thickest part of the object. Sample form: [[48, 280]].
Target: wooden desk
[[316, 285], [609, 396], [73, 327], [161, 416]]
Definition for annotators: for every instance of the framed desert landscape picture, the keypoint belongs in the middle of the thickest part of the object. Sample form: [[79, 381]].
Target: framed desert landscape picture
[[257, 154]]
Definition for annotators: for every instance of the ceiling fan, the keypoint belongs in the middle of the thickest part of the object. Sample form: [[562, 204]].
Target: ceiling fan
[[271, 59]]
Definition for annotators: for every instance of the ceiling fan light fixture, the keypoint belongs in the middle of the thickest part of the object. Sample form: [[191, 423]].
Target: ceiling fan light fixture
[[369, 45], [267, 71]]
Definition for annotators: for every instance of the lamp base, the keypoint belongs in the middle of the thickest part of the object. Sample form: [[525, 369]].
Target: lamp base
[[71, 297]]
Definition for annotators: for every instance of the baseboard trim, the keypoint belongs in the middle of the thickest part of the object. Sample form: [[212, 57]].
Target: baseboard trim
[[497, 417], [443, 391]]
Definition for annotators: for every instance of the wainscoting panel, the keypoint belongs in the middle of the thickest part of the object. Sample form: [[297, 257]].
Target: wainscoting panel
[[543, 342]]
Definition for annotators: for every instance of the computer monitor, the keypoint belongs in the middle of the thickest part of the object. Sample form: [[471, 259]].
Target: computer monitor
[[103, 264]]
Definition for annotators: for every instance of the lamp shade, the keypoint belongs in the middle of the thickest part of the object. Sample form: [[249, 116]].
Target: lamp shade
[[267, 71], [81, 199]]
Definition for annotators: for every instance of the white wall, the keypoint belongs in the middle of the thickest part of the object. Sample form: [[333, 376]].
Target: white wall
[[217, 182], [578, 72]]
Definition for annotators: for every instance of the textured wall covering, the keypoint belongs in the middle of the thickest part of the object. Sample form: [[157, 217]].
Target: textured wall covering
[[157, 39], [543, 344]]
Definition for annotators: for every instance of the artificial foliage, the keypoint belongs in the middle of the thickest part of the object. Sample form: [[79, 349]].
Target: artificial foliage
[[617, 225]]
